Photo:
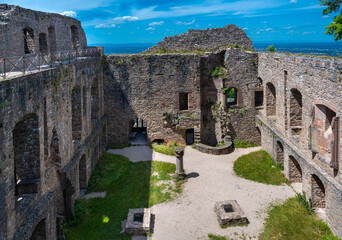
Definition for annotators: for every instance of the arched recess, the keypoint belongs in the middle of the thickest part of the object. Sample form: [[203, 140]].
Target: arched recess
[[271, 100], [52, 39], [76, 103], [280, 153], [54, 148], [39, 231], [26, 147], [296, 109], [318, 192], [68, 192], [95, 100], [43, 45], [28, 40], [74, 37], [295, 171], [83, 172], [84, 94]]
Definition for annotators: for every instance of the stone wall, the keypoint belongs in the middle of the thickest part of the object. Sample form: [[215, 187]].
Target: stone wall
[[147, 86], [205, 39], [43, 32], [306, 100], [238, 121], [37, 109]]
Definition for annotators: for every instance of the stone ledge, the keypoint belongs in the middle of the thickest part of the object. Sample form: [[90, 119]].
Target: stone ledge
[[220, 150]]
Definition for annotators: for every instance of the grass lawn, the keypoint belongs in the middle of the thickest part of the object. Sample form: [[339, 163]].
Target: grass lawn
[[259, 166], [242, 144], [128, 185], [291, 221], [166, 148]]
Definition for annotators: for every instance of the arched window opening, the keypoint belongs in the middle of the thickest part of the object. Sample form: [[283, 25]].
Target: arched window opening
[[318, 192], [280, 154], [271, 104], [54, 148], [295, 171], [28, 40], [76, 114], [83, 172], [232, 96], [95, 100], [52, 39], [39, 231], [84, 101], [26, 155], [74, 37], [43, 45], [296, 109]]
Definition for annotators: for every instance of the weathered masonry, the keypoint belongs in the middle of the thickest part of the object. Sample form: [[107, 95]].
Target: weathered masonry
[[55, 123], [52, 125]]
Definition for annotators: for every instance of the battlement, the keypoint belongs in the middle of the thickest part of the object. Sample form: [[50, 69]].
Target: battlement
[[24, 31]]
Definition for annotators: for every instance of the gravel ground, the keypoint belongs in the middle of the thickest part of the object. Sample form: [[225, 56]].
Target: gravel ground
[[191, 216]]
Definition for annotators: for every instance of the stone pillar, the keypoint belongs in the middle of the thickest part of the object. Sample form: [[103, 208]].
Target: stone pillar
[[222, 98], [179, 152]]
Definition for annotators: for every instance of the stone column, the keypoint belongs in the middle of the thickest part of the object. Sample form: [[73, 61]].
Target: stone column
[[179, 152], [222, 98]]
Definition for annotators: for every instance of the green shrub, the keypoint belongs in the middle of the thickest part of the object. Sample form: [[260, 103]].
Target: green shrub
[[271, 48], [301, 198], [218, 72]]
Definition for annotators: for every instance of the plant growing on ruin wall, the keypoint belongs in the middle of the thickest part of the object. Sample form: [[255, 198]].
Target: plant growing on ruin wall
[[218, 72], [271, 48]]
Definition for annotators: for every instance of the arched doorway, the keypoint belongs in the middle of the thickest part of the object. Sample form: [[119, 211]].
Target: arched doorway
[[137, 132]]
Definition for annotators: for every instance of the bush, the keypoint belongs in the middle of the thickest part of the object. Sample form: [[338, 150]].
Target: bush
[[218, 72], [271, 48], [301, 198]]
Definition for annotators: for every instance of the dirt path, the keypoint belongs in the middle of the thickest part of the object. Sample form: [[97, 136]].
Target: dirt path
[[191, 216]]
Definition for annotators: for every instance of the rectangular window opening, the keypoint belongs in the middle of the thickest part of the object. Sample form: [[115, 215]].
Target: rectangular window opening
[[183, 101]]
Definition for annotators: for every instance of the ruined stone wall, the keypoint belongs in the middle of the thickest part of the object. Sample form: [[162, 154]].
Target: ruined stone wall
[[205, 39], [146, 86], [44, 100], [318, 81], [307, 96], [50, 32], [238, 120]]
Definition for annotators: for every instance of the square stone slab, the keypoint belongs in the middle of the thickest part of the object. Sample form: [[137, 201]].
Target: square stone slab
[[138, 221], [230, 213]]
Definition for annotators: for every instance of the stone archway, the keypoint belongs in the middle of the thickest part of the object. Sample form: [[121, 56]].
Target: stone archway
[[318, 192], [280, 153], [271, 100], [295, 171]]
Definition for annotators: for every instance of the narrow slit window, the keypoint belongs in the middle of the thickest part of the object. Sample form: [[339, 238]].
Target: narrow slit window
[[183, 101]]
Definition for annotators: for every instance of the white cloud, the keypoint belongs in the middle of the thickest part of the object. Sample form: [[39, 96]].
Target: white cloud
[[156, 23], [293, 1], [289, 27], [126, 19], [150, 29], [105, 26], [245, 29], [69, 13], [185, 23]]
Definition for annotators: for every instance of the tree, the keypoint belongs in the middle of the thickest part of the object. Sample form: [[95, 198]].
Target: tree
[[335, 28]]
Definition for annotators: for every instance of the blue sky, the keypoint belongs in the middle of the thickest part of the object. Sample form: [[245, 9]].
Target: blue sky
[[149, 21]]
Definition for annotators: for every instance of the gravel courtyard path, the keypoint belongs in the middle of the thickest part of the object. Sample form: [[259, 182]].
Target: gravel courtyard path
[[192, 216]]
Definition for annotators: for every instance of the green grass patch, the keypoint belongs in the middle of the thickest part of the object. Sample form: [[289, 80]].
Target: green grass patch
[[128, 185], [243, 144], [166, 148], [291, 220], [259, 166], [215, 237]]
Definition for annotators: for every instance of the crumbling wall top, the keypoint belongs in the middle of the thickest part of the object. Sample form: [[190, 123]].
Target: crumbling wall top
[[205, 39], [24, 31]]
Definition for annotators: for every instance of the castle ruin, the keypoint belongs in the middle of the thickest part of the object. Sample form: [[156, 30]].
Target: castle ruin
[[63, 103]]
